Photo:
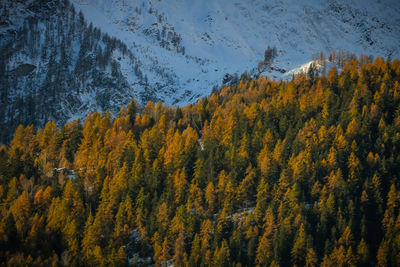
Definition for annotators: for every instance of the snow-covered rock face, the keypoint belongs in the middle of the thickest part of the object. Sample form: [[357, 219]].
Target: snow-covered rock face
[[226, 36], [53, 66]]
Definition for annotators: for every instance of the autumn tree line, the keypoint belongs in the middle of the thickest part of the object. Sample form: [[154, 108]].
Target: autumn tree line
[[261, 173]]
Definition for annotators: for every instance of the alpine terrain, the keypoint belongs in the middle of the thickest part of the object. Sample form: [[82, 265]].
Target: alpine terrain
[[195, 133], [60, 60]]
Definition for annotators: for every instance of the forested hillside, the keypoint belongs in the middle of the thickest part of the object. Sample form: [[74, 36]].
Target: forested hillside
[[262, 172]]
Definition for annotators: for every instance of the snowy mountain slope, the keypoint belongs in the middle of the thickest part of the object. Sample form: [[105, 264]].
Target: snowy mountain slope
[[55, 66], [225, 36]]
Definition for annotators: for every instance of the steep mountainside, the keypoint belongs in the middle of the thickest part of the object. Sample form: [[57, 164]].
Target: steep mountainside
[[54, 66], [201, 41], [58, 62]]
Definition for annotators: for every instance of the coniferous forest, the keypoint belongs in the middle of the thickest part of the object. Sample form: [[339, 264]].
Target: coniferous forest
[[269, 173]]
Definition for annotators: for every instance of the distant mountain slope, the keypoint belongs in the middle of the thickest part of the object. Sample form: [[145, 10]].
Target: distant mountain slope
[[55, 65], [225, 36]]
